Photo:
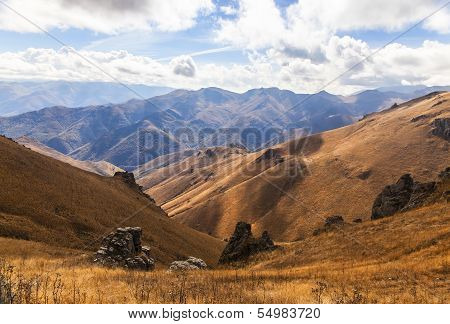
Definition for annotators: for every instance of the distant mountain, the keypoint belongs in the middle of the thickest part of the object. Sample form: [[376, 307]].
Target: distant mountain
[[414, 89], [21, 97], [135, 132]]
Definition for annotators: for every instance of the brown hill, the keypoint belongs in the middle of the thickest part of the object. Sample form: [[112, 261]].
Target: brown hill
[[48, 201], [100, 167], [291, 188]]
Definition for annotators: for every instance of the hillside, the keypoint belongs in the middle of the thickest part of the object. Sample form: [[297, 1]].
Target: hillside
[[135, 132], [290, 188], [51, 202], [100, 167]]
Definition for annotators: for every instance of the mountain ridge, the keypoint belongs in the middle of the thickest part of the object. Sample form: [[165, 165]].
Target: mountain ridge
[[107, 132]]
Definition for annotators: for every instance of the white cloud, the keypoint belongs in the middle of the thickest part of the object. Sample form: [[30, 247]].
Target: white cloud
[[440, 22], [104, 16], [428, 64], [183, 65], [295, 48], [307, 24]]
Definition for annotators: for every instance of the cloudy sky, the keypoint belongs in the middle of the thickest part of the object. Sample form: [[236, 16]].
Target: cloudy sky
[[237, 45]]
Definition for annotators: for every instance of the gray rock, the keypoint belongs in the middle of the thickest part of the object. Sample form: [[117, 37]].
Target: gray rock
[[191, 263], [404, 195], [242, 244], [441, 128], [122, 248]]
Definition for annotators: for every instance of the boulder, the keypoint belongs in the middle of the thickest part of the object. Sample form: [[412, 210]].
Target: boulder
[[191, 263], [441, 128], [393, 197], [242, 244], [330, 224], [122, 248], [401, 196], [335, 220]]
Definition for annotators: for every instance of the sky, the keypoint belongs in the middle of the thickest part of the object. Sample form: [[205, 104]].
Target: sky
[[305, 46]]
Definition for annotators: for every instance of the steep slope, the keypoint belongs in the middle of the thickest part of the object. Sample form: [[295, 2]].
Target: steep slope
[[290, 188], [120, 133], [101, 167], [45, 200]]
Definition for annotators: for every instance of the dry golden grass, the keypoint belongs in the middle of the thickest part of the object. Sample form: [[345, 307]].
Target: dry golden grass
[[400, 259], [45, 200], [382, 146], [99, 167]]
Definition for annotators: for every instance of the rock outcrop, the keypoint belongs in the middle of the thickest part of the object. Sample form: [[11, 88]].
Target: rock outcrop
[[270, 155], [128, 178], [441, 128], [242, 244], [122, 248], [330, 224], [191, 263], [404, 195]]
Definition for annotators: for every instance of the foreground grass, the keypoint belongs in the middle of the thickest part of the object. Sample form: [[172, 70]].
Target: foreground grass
[[58, 281], [400, 259]]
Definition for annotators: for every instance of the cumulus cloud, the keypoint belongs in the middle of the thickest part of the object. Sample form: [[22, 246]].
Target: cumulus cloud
[[306, 25], [183, 65], [296, 47], [104, 16], [428, 64]]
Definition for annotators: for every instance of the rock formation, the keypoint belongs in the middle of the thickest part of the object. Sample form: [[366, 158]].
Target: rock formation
[[122, 248], [128, 178], [270, 155], [331, 223], [242, 244], [405, 194], [191, 263], [441, 128]]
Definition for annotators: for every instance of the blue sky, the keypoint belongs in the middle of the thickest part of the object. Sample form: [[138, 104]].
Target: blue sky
[[237, 45]]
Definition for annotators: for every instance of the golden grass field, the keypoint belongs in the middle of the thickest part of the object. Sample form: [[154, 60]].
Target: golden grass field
[[373, 262]]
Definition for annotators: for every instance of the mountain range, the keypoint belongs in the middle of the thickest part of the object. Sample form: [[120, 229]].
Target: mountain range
[[137, 131], [23, 96]]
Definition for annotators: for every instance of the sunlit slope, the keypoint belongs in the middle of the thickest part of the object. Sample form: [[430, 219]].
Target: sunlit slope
[[341, 172]]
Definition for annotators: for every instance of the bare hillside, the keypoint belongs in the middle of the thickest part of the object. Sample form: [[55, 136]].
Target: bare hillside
[[290, 188]]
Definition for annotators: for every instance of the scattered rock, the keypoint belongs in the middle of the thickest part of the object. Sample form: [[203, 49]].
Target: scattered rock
[[191, 263], [242, 244], [401, 196], [335, 220], [365, 175], [210, 153], [270, 154], [128, 178], [444, 175], [357, 220], [441, 128], [393, 197], [331, 223], [122, 248]]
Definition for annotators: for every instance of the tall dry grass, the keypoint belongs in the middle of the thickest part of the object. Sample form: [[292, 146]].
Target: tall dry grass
[[46, 281]]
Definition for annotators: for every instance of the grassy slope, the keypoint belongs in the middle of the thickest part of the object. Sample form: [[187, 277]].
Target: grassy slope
[[45, 200], [99, 167], [384, 145]]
